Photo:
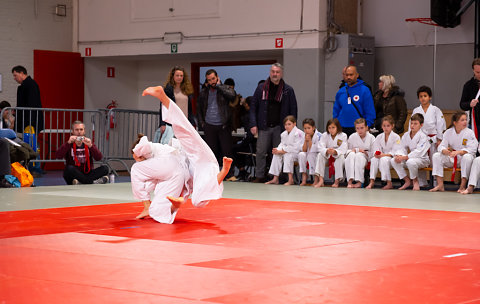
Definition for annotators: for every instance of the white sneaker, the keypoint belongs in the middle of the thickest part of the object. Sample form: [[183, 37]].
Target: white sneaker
[[101, 180], [76, 182]]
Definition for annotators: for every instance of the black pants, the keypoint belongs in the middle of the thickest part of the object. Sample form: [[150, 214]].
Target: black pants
[[219, 139], [5, 168], [348, 130], [72, 172]]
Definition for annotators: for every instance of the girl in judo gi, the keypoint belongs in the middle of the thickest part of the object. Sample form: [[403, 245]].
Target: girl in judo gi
[[413, 153], [359, 152], [333, 146], [287, 151], [458, 147], [173, 173], [310, 149], [384, 148]]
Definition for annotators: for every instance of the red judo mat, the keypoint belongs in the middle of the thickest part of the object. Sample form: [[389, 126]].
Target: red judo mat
[[240, 251]]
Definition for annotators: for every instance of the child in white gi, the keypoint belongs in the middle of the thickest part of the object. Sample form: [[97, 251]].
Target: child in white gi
[[310, 151], [333, 146], [359, 152], [175, 173], [434, 123], [384, 147], [412, 154], [458, 147], [287, 151], [474, 175]]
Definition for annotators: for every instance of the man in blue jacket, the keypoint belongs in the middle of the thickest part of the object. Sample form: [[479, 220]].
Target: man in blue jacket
[[272, 101], [352, 101]]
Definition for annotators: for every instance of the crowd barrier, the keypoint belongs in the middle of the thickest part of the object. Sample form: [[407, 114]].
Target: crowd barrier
[[112, 131]]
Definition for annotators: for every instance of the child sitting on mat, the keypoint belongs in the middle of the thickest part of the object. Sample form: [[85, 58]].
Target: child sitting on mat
[[310, 149], [359, 153]]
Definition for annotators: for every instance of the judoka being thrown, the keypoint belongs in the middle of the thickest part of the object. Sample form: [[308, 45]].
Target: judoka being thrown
[[174, 172]]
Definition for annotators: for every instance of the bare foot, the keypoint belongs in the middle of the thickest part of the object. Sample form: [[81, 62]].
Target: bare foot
[[289, 183], [303, 183], [176, 202], [273, 181], [469, 190], [407, 184], [370, 186], [460, 190], [350, 184], [388, 186], [159, 93], [319, 184], [437, 188], [227, 163], [144, 213], [357, 185], [336, 183]]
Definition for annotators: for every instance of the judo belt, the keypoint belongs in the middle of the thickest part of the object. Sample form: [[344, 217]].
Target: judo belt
[[331, 166], [454, 167], [430, 135]]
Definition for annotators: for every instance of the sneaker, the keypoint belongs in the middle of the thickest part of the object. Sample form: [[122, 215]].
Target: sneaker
[[101, 180], [75, 182]]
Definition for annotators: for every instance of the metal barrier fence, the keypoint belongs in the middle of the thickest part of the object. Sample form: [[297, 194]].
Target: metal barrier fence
[[112, 131]]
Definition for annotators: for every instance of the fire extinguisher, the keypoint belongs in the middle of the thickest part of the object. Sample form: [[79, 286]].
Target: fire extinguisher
[[111, 115]]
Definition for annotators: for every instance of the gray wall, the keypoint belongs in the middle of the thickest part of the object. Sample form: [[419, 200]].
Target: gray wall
[[413, 66]]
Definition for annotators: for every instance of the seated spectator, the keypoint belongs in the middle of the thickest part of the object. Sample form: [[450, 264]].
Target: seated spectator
[[246, 144], [5, 168], [389, 100], [79, 152], [7, 118]]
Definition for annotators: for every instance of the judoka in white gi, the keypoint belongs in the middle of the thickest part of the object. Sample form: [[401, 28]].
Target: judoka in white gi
[[433, 125], [310, 149], [359, 153], [286, 154], [384, 147], [413, 153], [458, 147], [173, 173], [433, 121], [474, 175], [332, 144]]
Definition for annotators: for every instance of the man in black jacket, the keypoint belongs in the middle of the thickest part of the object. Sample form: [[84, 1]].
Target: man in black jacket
[[28, 95], [215, 115], [470, 95]]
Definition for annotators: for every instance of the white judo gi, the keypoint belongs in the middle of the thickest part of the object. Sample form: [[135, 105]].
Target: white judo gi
[[433, 125], [191, 168], [383, 164], [356, 161], [292, 144], [475, 172], [466, 141], [340, 144], [310, 156], [416, 149]]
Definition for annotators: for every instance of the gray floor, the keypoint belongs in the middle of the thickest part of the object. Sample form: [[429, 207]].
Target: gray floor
[[83, 195]]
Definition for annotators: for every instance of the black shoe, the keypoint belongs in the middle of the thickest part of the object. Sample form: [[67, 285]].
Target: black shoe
[[243, 175], [5, 184], [259, 180]]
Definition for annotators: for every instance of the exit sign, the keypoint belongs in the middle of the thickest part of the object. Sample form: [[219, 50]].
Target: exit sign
[[279, 43], [173, 48]]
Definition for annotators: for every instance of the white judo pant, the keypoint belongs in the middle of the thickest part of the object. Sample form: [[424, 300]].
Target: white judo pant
[[311, 158], [338, 165], [164, 175], [286, 160], [413, 165], [474, 173], [383, 164], [355, 166], [440, 161]]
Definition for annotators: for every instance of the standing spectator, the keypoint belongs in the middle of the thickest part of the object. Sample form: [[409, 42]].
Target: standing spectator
[[180, 90], [28, 95], [470, 95], [79, 152], [8, 119], [353, 101], [389, 100], [272, 101], [215, 115]]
